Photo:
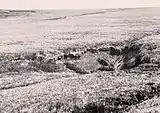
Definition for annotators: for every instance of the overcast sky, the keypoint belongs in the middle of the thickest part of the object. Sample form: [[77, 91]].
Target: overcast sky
[[75, 4]]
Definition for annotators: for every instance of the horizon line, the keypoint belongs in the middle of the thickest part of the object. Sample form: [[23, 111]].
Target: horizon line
[[141, 7]]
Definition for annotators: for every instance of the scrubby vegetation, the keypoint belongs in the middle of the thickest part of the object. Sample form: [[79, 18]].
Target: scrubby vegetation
[[107, 62], [121, 102]]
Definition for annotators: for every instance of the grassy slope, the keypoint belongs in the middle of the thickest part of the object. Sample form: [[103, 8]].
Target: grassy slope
[[32, 34], [60, 92]]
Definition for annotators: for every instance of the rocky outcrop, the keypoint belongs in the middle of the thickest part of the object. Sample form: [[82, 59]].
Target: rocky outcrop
[[103, 58], [73, 55], [92, 50]]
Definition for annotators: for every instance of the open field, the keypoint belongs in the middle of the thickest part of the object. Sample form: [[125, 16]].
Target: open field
[[80, 61]]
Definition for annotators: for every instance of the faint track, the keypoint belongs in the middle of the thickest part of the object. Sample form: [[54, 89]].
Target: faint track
[[36, 82]]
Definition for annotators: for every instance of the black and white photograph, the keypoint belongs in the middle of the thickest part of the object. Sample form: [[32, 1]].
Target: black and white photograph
[[79, 56]]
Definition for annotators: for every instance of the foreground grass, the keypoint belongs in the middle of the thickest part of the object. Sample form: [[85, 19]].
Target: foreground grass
[[102, 93]]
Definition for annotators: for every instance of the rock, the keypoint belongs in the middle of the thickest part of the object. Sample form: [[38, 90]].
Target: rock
[[73, 55], [104, 49], [92, 50]]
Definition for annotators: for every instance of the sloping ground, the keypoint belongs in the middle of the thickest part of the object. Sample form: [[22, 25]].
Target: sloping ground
[[100, 79], [105, 57], [34, 32], [121, 75]]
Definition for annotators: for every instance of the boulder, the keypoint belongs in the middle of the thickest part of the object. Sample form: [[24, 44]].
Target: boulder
[[72, 55], [92, 50]]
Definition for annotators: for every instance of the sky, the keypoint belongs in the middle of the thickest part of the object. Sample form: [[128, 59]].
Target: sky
[[76, 4]]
